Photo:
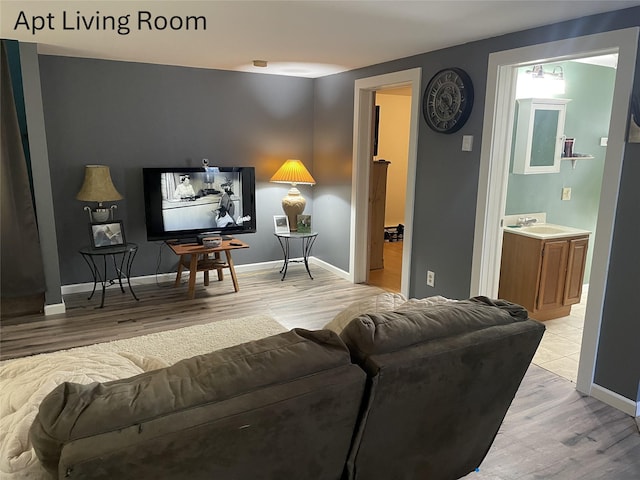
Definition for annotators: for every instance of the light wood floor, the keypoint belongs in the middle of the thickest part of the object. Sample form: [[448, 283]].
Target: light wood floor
[[389, 277], [550, 432], [297, 301]]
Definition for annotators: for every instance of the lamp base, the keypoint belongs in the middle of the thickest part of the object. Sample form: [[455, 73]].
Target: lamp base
[[293, 205], [100, 214]]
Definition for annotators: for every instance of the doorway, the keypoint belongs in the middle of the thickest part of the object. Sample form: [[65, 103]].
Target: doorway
[[496, 143], [567, 194], [364, 97], [388, 187]]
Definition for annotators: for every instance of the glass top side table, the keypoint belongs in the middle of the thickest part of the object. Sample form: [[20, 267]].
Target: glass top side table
[[307, 242], [128, 252]]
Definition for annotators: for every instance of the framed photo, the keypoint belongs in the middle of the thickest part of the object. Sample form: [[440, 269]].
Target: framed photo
[[304, 223], [107, 234], [281, 223]]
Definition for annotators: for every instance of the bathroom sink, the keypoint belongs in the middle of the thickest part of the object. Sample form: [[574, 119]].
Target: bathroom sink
[[544, 229], [547, 230]]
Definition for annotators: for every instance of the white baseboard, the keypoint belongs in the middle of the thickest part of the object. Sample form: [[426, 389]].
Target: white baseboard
[[329, 267], [615, 400], [169, 277], [55, 308]]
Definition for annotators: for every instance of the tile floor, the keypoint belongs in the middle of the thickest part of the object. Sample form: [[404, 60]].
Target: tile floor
[[559, 351]]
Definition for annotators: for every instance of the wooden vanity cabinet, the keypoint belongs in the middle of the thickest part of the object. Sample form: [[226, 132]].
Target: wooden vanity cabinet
[[544, 276]]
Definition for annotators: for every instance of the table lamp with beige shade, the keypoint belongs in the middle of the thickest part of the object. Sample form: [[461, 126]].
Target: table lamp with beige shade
[[98, 187], [293, 172]]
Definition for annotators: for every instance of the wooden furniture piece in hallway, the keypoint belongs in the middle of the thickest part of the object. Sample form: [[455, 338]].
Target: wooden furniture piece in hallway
[[377, 203], [196, 258]]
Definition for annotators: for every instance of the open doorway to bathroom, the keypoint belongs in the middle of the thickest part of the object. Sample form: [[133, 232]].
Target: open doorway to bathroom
[[569, 196], [494, 170], [388, 187]]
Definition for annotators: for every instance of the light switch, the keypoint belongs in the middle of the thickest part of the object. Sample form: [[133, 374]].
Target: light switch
[[467, 143], [566, 193], [604, 141]]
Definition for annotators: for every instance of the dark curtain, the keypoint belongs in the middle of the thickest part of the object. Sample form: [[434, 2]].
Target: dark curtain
[[22, 272]]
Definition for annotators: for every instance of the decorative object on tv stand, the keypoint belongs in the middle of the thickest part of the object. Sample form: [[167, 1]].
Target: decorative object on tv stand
[[98, 187], [293, 172]]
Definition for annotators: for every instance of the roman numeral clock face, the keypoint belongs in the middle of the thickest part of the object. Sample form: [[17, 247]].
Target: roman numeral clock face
[[448, 100]]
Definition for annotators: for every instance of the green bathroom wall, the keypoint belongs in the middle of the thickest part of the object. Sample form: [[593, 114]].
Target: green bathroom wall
[[590, 89]]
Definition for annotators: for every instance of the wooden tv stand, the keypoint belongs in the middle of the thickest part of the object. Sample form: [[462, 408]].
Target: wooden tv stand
[[196, 258]]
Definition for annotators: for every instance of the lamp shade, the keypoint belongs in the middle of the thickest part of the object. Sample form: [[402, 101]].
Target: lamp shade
[[294, 172], [97, 186]]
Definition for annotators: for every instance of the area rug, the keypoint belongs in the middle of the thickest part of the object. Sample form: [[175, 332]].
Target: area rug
[[24, 382], [174, 345]]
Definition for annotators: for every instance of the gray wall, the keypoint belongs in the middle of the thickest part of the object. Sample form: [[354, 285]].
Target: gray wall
[[130, 115], [40, 171], [446, 179]]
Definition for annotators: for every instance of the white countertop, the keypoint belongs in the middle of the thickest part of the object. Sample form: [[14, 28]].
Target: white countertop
[[545, 231]]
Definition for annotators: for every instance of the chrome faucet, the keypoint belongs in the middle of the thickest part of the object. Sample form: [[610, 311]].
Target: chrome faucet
[[526, 221]]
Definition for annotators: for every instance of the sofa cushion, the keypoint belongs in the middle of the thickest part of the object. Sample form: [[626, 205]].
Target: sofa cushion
[[386, 332], [268, 405], [441, 379], [383, 302]]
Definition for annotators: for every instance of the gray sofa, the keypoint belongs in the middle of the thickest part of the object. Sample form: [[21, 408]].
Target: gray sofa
[[415, 394]]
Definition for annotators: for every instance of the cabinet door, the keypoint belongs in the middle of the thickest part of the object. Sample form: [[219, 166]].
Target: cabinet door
[[552, 274], [575, 270], [538, 138]]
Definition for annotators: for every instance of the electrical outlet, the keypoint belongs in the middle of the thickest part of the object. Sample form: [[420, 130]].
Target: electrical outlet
[[566, 193], [431, 278]]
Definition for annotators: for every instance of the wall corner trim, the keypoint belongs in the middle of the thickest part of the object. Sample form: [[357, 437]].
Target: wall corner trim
[[55, 308], [615, 400]]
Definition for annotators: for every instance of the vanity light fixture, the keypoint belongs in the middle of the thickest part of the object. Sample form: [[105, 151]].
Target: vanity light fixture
[[537, 82]]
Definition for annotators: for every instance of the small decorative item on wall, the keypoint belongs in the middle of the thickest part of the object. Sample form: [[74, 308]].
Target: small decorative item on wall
[[448, 100], [106, 234], [634, 120], [281, 223], [304, 223]]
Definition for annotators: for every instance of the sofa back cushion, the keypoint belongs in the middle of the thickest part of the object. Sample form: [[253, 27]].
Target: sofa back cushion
[[441, 379], [284, 406]]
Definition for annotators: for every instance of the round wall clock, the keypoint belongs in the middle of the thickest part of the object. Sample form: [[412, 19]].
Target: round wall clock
[[448, 100]]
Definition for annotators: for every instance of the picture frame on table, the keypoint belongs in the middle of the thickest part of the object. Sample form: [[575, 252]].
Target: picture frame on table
[[107, 234], [281, 224], [304, 223]]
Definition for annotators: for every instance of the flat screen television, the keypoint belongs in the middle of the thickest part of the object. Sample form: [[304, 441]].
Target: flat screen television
[[183, 203]]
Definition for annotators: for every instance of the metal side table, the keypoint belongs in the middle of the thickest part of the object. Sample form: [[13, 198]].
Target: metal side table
[[307, 242], [128, 252]]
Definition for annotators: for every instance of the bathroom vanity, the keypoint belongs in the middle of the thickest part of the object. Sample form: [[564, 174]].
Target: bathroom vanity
[[543, 267]]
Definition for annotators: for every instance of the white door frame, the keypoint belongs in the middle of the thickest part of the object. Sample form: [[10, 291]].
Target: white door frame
[[494, 165], [362, 141]]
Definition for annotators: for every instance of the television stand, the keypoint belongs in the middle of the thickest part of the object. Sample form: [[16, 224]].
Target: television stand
[[196, 258]]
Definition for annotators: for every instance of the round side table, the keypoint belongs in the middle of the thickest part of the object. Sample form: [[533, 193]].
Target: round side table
[[307, 242], [128, 252]]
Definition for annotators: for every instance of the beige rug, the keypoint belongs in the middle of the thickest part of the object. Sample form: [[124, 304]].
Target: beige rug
[[25, 381], [174, 345]]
